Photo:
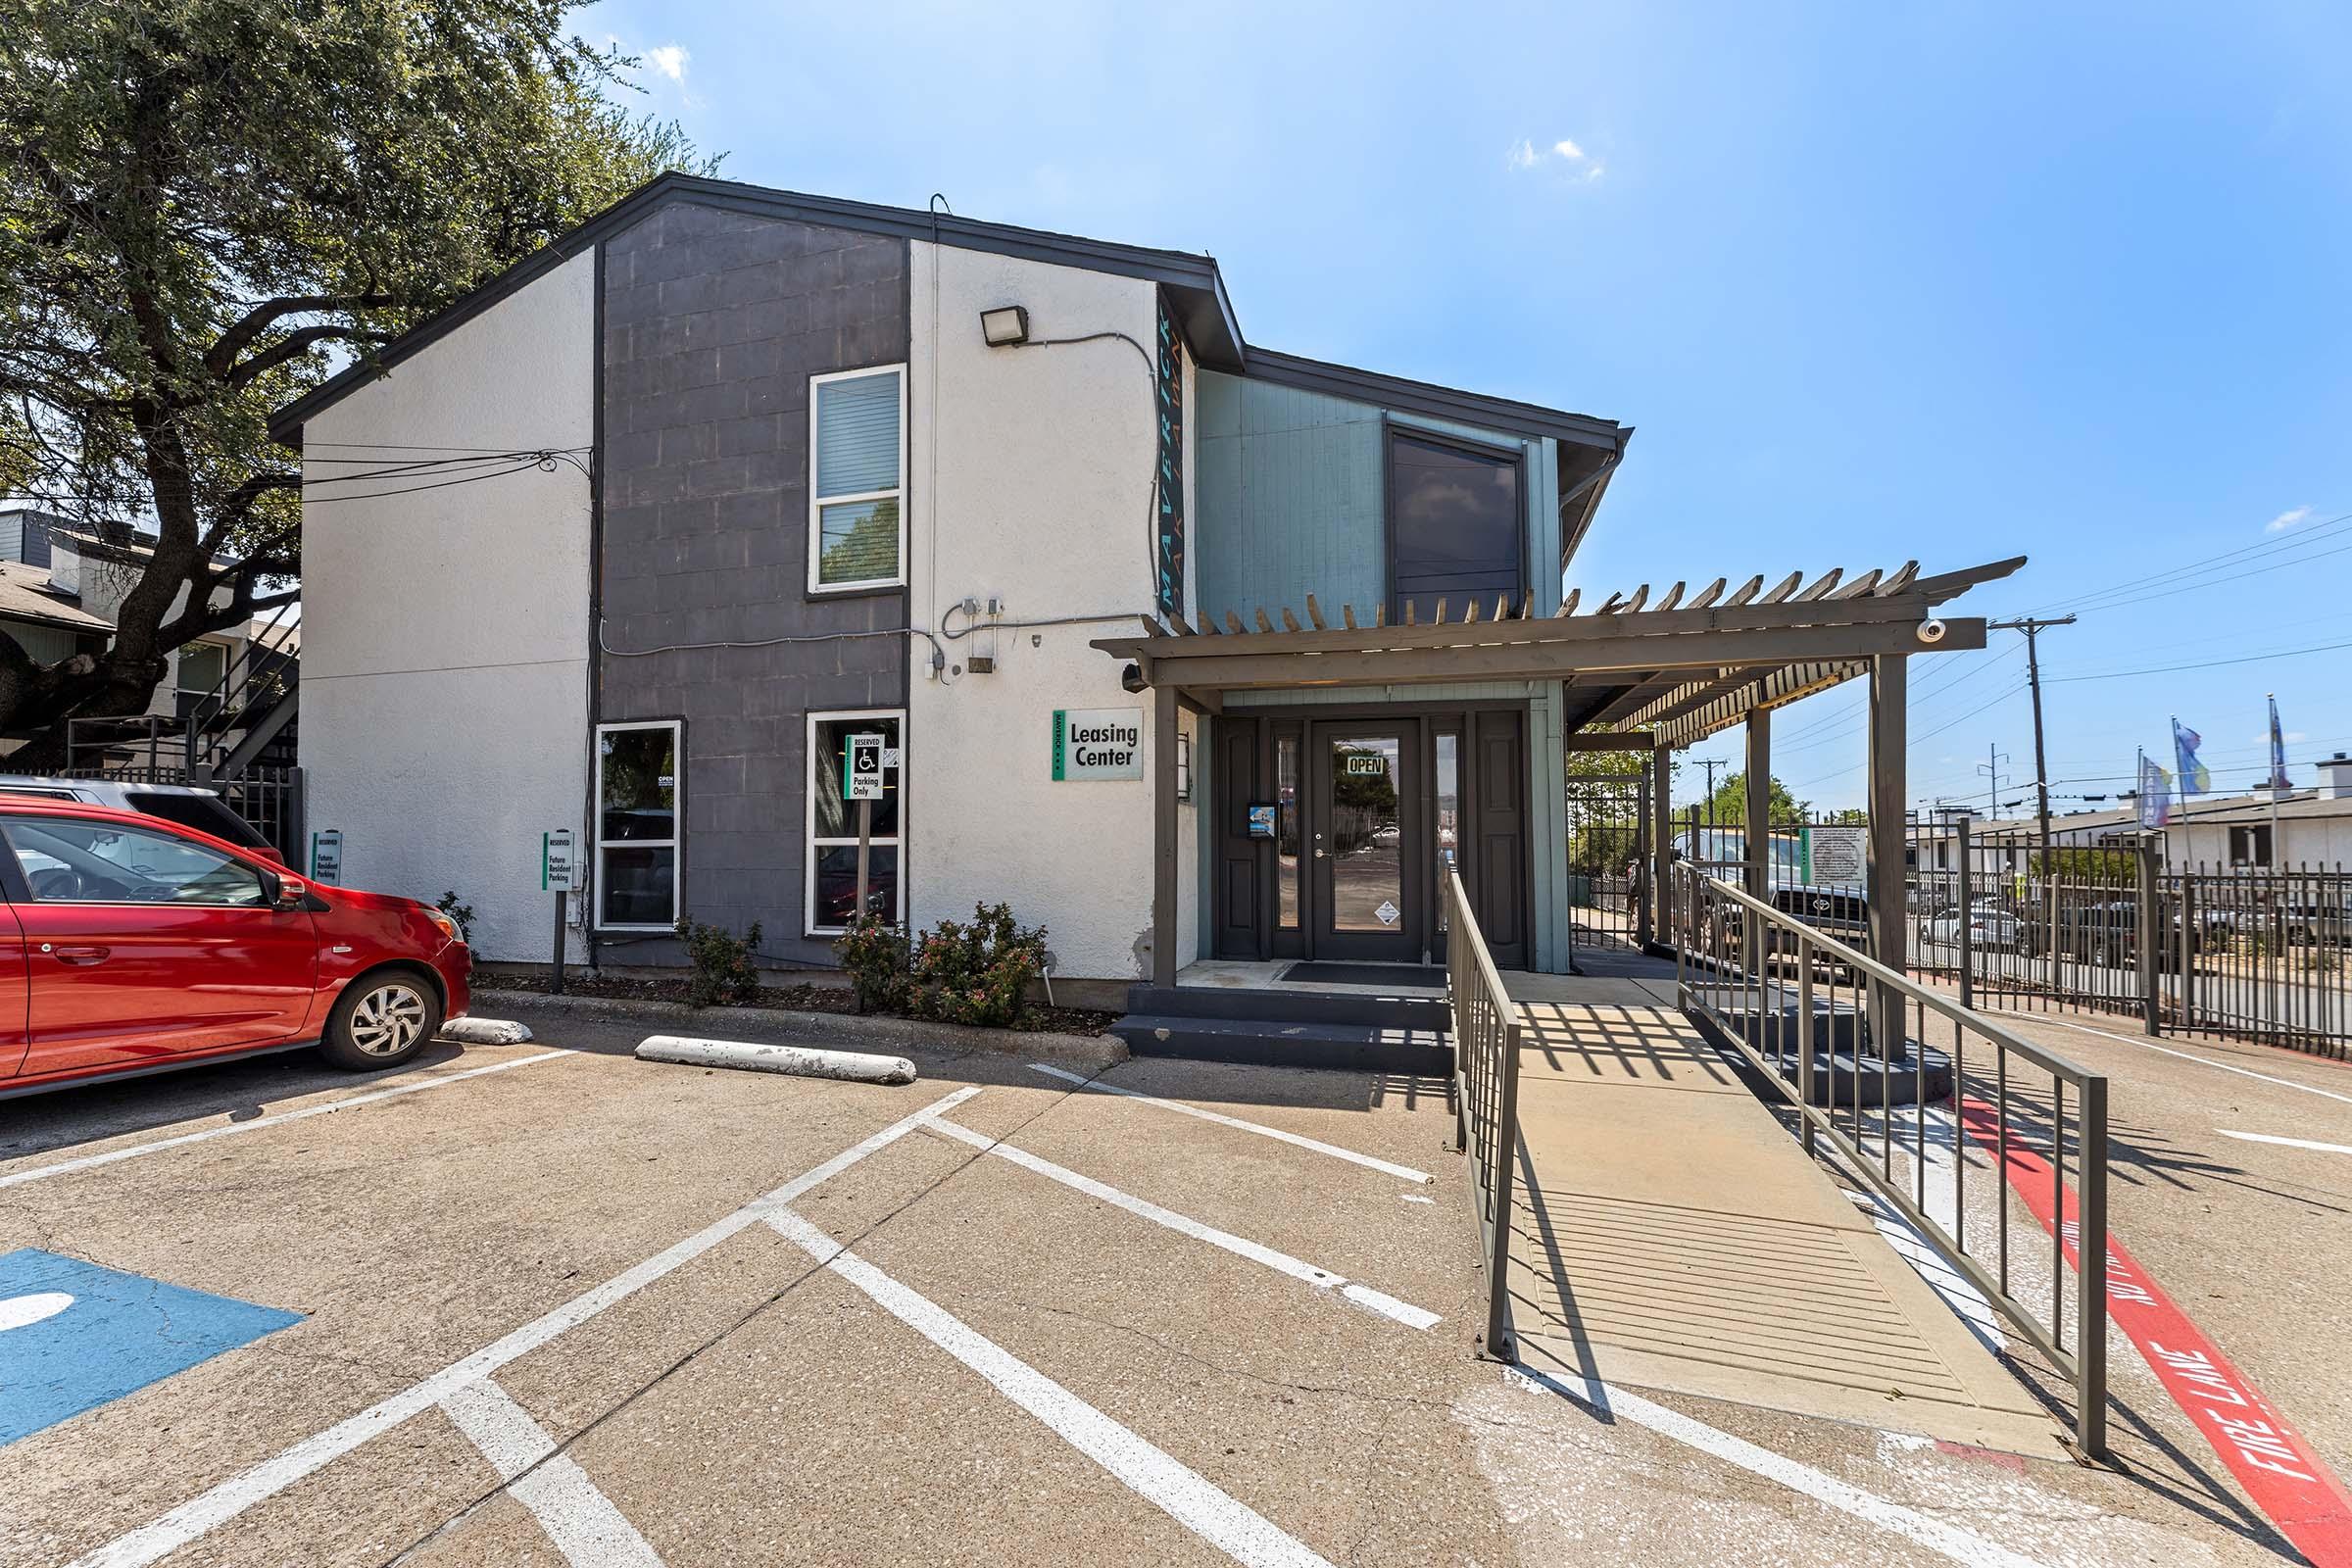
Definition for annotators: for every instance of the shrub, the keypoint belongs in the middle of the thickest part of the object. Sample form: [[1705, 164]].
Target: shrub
[[723, 972], [461, 913], [976, 972], [873, 954]]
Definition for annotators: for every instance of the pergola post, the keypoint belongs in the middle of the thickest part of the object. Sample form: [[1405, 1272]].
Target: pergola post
[[1886, 885], [1661, 844], [1163, 836], [1759, 831]]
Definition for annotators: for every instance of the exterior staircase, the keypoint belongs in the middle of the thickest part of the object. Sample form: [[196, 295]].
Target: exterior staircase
[[1365, 1032]]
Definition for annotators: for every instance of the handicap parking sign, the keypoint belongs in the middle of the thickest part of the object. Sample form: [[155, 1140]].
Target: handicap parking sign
[[74, 1335]]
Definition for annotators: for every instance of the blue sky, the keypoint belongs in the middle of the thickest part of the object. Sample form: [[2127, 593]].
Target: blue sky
[[1953, 281]]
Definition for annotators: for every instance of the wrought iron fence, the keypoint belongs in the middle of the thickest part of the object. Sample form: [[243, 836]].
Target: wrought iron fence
[[1845, 1039], [1486, 1055], [1607, 844], [2251, 952]]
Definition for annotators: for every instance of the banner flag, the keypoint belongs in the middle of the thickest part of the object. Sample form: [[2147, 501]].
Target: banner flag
[[2155, 793], [2278, 779], [2195, 778]]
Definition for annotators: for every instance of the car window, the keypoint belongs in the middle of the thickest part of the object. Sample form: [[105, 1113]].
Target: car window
[[69, 862], [45, 795], [202, 812]]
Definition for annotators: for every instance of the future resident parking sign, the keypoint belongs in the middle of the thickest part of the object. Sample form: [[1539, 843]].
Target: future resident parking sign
[[1098, 743]]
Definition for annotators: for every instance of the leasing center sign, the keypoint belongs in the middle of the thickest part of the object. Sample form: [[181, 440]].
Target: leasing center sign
[[1091, 743]]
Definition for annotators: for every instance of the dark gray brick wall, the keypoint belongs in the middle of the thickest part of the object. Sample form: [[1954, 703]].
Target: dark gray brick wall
[[714, 323]]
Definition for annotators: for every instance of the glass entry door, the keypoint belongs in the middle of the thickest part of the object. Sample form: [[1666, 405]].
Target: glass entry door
[[1367, 862]]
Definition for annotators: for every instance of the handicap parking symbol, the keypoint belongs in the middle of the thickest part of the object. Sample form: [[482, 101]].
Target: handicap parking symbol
[[74, 1335]]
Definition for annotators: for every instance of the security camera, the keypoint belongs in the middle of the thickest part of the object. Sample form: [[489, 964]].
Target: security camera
[[1930, 631], [1132, 677]]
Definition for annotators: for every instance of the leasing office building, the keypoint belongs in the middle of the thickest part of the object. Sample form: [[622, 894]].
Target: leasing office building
[[728, 475]]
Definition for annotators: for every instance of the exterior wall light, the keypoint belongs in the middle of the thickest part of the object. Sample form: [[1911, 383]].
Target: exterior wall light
[[1007, 326], [1184, 764]]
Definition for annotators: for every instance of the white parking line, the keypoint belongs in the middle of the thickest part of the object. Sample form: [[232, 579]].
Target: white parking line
[[1151, 1473], [2292, 1143], [1386, 1307], [578, 1518], [88, 1162], [231, 1498], [2185, 1055], [1402, 1173], [1931, 1532]]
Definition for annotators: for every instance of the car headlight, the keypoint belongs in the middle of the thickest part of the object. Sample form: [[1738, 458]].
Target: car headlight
[[442, 921]]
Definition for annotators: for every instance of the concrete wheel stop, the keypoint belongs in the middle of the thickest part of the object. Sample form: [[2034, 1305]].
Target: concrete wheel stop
[[799, 1061]]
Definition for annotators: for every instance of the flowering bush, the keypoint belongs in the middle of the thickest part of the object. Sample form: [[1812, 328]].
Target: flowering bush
[[873, 954], [976, 971], [723, 972]]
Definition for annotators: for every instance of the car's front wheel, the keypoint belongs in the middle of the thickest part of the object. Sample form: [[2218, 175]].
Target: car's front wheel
[[380, 1021]]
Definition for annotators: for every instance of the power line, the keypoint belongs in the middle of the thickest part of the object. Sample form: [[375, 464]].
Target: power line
[[2209, 664]]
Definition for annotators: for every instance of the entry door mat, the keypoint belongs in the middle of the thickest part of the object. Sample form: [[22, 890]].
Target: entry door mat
[[74, 1335], [1427, 977]]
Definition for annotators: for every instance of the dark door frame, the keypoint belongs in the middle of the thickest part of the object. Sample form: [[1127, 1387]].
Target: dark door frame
[[1424, 720]]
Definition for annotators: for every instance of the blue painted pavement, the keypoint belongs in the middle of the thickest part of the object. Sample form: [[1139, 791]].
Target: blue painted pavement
[[74, 1335]]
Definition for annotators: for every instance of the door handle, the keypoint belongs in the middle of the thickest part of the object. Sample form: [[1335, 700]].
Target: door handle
[[80, 953]]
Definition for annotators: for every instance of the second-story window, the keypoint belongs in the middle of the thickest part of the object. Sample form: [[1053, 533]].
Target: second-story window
[[856, 440], [1456, 526]]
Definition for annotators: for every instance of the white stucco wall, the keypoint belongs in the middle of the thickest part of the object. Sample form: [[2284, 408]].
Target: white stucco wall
[[1030, 480], [445, 631]]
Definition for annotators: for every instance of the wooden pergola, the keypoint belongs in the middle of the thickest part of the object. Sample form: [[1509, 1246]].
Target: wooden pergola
[[1638, 676]]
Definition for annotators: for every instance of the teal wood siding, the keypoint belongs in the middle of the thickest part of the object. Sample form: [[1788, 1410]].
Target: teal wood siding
[[1290, 500]]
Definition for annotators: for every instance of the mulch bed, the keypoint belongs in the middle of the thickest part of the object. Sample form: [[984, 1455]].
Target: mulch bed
[[798, 998]]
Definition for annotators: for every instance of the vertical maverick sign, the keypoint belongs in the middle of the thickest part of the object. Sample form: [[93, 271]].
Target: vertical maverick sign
[[1167, 548]]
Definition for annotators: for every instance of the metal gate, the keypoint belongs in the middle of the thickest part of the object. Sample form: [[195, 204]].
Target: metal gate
[[1607, 846]]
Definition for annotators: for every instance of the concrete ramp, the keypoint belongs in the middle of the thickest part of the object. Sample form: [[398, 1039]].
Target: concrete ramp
[[1670, 1234]]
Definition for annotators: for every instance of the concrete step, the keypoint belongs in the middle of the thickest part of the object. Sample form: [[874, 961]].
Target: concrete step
[[1429, 1013], [1276, 1043]]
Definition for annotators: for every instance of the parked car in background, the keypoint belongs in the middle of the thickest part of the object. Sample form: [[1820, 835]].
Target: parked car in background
[[1989, 926], [202, 810], [140, 946], [2314, 922]]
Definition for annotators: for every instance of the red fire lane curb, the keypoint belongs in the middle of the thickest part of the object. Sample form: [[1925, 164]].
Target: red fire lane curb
[[2277, 1469]]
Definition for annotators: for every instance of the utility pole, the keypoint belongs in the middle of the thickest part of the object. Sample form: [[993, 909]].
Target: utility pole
[[2030, 625]]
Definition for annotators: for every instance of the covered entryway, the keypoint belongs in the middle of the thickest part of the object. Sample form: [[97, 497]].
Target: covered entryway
[[1334, 833]]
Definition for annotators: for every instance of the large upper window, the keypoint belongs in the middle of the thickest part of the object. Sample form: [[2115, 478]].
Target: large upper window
[[856, 526], [637, 827], [833, 824], [1456, 528]]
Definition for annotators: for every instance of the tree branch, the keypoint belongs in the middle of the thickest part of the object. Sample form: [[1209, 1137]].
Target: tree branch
[[241, 332], [237, 507], [295, 344], [241, 608]]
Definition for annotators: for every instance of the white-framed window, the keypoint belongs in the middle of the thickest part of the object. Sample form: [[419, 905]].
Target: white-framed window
[[832, 877], [857, 479], [638, 801], [2250, 846]]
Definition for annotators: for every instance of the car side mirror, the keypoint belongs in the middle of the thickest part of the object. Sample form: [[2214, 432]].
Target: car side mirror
[[291, 891]]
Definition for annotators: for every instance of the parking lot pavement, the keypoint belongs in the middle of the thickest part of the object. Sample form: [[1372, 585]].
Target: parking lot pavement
[[2253, 1236], [584, 1310]]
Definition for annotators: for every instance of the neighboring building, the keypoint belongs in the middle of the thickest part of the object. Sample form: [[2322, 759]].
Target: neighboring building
[[728, 475], [52, 563], [2313, 828]]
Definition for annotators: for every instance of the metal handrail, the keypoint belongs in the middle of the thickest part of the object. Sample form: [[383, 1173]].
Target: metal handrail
[[1485, 1056], [1724, 938], [206, 744]]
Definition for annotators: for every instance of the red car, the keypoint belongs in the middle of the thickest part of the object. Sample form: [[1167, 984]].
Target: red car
[[131, 944]]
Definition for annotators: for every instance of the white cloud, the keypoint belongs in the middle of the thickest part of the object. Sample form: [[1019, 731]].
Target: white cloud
[[1567, 154], [2287, 520], [670, 60]]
